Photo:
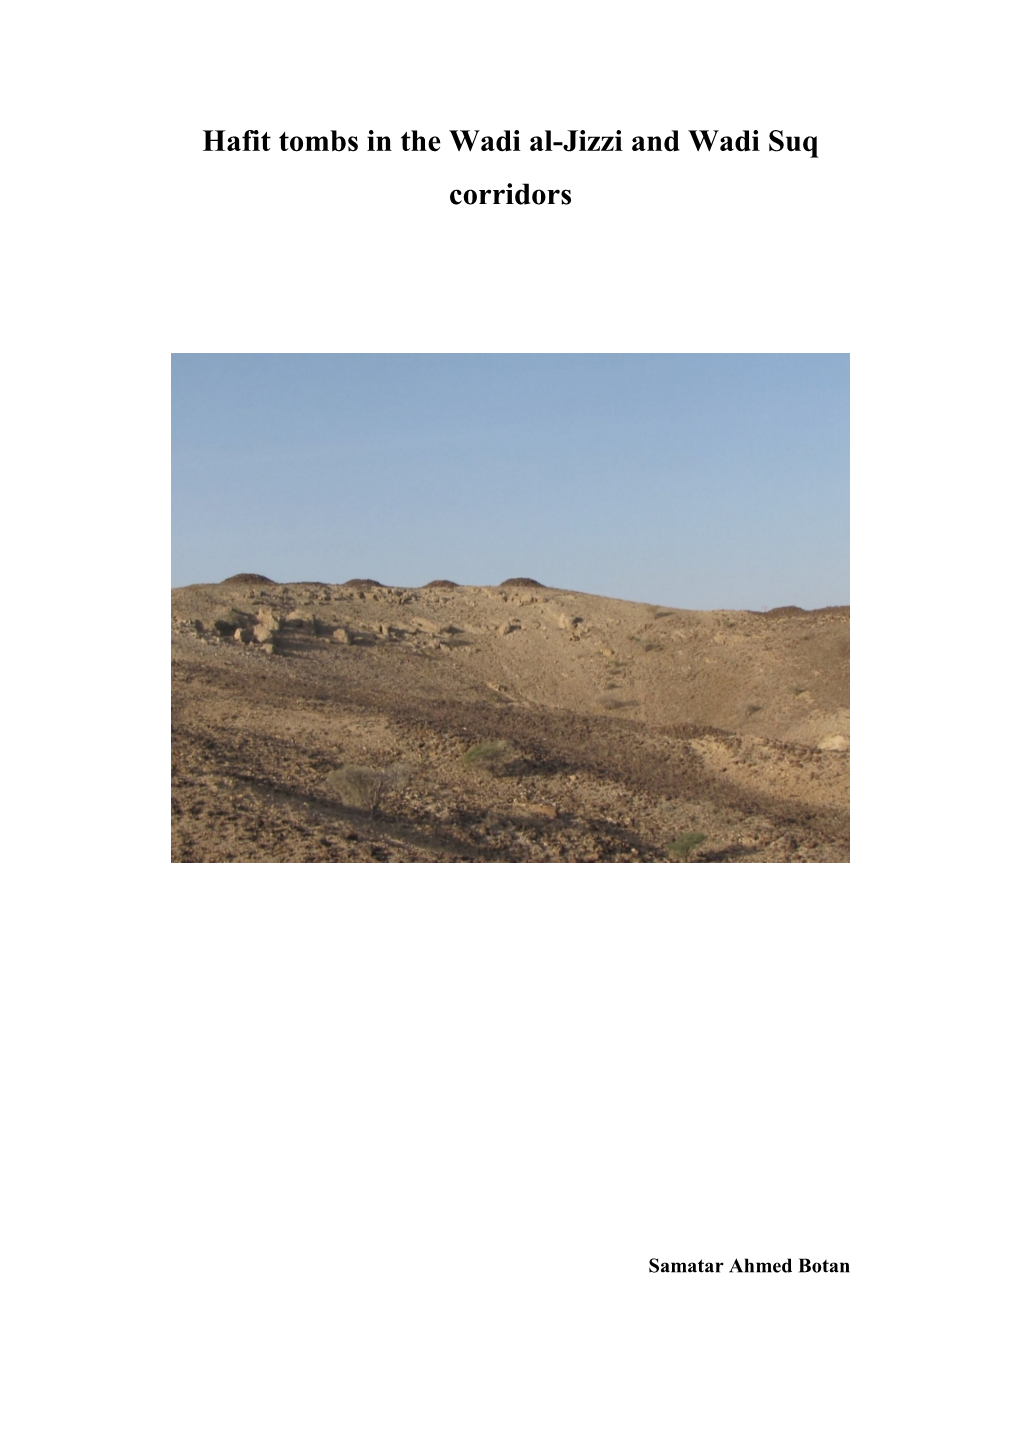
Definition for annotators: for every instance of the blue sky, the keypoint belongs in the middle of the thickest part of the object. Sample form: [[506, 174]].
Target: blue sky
[[703, 481]]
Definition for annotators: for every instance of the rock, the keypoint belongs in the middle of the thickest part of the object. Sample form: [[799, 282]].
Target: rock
[[422, 623], [344, 635], [243, 636], [509, 626], [264, 633], [833, 743], [269, 619], [567, 623]]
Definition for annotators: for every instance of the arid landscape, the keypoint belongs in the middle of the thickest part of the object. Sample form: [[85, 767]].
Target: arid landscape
[[372, 723]]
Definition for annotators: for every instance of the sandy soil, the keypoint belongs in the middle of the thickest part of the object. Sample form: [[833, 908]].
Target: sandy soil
[[608, 728]]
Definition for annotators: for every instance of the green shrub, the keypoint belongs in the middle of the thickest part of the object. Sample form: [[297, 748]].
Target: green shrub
[[684, 845], [491, 756]]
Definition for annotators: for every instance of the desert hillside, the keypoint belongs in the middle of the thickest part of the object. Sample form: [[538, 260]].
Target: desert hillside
[[363, 722]]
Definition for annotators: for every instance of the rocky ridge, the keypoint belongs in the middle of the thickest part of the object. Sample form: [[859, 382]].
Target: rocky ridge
[[624, 725]]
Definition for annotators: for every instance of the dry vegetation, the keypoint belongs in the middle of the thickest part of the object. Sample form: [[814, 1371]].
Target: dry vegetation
[[503, 723]]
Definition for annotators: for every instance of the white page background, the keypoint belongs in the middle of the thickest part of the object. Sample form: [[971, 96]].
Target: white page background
[[352, 1152]]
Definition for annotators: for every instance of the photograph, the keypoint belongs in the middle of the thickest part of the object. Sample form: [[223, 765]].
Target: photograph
[[510, 607]]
